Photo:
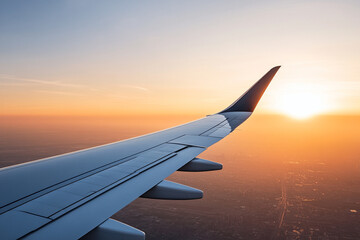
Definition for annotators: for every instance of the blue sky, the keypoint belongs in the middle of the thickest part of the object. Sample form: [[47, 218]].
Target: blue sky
[[201, 54]]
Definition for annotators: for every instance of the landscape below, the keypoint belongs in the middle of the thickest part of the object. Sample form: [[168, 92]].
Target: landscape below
[[282, 178]]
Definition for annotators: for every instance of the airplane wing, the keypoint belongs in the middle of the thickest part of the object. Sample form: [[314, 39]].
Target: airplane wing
[[73, 195]]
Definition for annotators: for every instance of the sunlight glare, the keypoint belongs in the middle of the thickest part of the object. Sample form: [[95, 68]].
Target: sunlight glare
[[302, 101]]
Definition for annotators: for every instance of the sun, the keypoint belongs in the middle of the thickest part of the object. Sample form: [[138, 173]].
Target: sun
[[302, 101], [302, 105]]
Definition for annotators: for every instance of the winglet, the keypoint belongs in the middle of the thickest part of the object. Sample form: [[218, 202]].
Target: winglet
[[248, 101]]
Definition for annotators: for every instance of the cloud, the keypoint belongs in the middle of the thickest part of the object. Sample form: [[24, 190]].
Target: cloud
[[70, 89], [136, 87], [60, 84], [11, 84], [39, 81], [60, 93]]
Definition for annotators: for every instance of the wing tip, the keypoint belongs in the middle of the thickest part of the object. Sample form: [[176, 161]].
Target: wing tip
[[249, 100], [276, 68]]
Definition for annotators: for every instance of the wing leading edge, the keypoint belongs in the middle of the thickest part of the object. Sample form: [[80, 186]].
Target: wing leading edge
[[42, 202]]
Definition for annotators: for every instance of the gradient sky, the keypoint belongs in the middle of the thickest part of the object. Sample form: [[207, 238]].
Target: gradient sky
[[115, 57]]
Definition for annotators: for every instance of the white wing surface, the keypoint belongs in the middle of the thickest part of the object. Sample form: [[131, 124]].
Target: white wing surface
[[73, 195]]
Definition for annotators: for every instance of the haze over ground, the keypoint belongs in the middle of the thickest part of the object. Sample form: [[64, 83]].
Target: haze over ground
[[303, 172]]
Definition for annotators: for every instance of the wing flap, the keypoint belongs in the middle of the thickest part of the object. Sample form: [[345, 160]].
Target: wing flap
[[221, 132], [85, 217], [15, 224], [198, 141], [50, 203], [62, 169], [53, 204]]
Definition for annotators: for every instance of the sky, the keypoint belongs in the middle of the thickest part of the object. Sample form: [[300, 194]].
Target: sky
[[177, 57]]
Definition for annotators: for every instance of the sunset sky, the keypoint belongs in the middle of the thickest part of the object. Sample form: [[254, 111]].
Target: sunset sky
[[155, 57], [76, 74]]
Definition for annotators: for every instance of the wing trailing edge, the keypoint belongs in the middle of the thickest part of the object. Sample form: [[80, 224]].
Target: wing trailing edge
[[248, 101]]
